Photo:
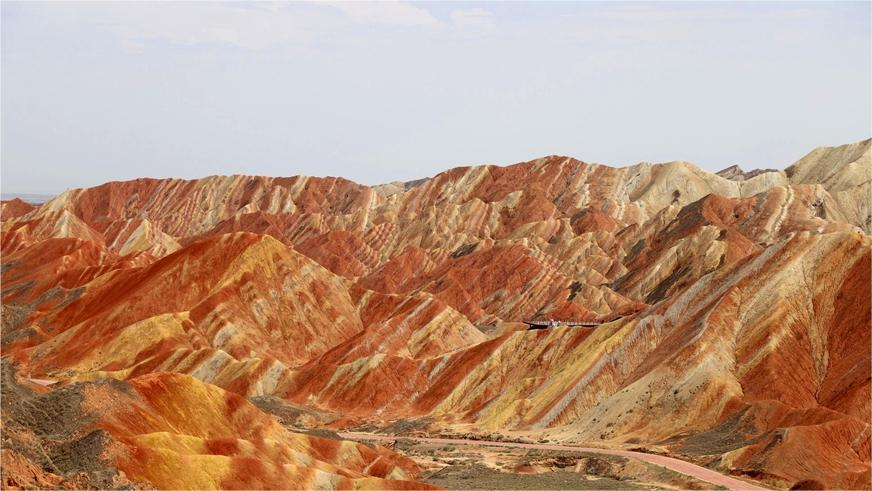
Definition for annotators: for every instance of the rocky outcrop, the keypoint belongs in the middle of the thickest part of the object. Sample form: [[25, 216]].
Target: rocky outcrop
[[735, 173], [845, 172]]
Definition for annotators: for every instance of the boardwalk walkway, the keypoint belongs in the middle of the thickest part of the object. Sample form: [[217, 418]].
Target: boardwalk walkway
[[553, 323]]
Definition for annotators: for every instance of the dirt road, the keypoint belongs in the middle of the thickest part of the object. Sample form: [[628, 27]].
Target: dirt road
[[42, 381], [676, 465]]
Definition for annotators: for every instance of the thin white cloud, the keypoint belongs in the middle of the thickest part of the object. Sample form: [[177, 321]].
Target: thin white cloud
[[243, 25], [476, 18], [253, 25], [387, 13], [653, 13]]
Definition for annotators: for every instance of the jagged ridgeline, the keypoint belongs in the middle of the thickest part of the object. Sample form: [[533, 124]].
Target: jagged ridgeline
[[729, 318]]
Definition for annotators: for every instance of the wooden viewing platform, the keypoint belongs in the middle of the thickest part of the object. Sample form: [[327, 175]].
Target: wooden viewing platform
[[553, 323]]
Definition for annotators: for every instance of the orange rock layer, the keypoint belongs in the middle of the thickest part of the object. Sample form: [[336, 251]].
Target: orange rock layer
[[737, 310]]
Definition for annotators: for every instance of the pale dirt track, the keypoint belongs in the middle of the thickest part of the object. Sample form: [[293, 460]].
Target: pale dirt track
[[42, 381], [676, 465]]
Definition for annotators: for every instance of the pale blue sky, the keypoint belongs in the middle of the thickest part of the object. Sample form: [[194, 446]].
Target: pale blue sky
[[398, 91]]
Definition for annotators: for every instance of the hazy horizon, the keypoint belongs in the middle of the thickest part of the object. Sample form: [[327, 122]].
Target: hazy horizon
[[400, 91], [44, 196]]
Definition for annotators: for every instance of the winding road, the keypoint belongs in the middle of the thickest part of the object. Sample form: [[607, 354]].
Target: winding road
[[676, 465]]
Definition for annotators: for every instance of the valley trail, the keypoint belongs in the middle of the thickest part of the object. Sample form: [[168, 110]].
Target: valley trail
[[676, 465]]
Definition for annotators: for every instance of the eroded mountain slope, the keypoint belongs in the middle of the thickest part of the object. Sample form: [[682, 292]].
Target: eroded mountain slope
[[735, 306], [173, 431]]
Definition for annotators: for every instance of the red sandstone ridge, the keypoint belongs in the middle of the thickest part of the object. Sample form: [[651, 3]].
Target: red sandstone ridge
[[735, 317], [14, 208]]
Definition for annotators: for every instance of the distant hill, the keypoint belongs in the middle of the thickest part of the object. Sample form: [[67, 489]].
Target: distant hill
[[35, 199]]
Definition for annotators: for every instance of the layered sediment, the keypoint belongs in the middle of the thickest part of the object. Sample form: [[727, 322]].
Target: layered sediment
[[734, 311]]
